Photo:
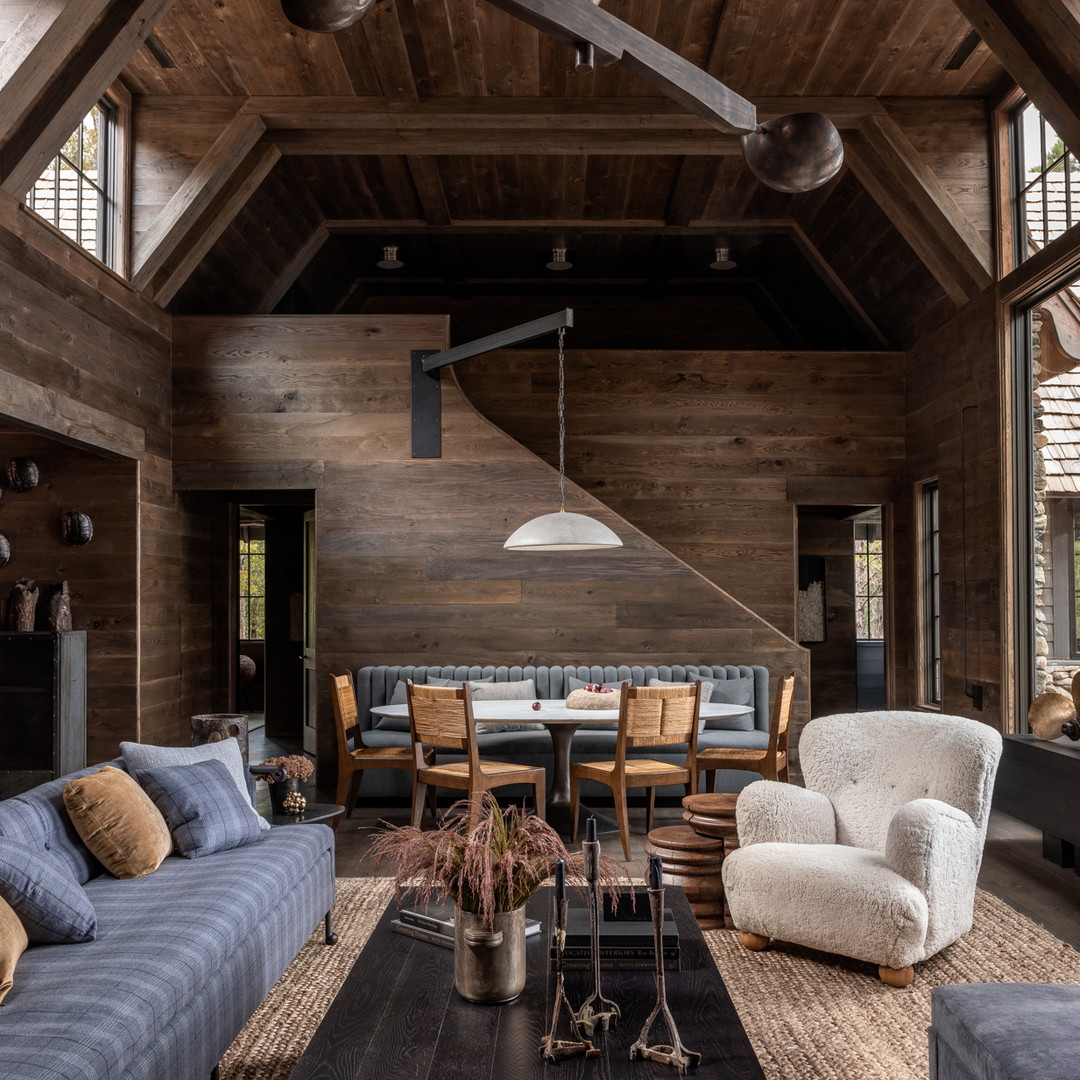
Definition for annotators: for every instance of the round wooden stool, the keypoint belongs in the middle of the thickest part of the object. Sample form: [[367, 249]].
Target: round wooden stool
[[712, 814], [693, 862]]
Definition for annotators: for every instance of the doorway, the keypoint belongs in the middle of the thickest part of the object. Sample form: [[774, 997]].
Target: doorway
[[272, 610], [842, 605]]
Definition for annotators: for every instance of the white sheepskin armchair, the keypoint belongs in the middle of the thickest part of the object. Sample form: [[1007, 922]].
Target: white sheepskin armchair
[[877, 857]]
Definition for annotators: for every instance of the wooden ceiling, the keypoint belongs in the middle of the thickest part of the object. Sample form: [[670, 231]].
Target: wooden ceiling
[[273, 165]]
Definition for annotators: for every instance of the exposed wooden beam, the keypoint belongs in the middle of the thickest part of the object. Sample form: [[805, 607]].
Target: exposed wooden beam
[[525, 113], [296, 266], [500, 226], [1039, 44], [920, 207], [214, 221], [195, 194], [54, 69]]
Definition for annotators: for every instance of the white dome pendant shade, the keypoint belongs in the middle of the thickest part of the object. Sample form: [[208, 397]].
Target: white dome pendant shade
[[562, 531]]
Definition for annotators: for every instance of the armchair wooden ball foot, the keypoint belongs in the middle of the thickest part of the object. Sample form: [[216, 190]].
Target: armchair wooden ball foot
[[898, 977], [755, 942]]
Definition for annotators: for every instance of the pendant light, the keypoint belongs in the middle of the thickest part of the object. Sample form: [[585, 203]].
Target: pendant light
[[562, 531]]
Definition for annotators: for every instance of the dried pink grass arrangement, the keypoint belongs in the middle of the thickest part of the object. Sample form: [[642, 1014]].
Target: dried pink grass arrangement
[[486, 859]]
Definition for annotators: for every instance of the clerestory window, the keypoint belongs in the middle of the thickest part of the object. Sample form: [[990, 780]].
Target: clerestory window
[[77, 191]]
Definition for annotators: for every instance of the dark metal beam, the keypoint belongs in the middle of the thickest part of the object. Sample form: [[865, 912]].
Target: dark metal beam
[[511, 336], [576, 21]]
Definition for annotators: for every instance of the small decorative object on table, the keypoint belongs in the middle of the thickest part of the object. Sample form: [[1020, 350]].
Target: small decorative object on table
[[23, 604], [298, 770], [59, 607], [552, 1047], [489, 861], [674, 1054], [294, 803], [596, 1010], [593, 696]]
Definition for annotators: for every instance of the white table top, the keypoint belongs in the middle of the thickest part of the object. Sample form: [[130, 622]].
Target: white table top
[[554, 711]]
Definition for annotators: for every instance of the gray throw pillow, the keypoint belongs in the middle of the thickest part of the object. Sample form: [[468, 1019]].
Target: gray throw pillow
[[706, 693], [398, 697], [525, 690], [139, 756], [204, 811], [732, 692], [50, 903]]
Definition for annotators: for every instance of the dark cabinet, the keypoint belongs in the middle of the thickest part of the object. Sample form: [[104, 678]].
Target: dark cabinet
[[42, 707]]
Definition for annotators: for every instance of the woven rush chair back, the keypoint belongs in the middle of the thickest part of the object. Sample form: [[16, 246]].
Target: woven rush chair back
[[781, 715], [659, 715], [441, 715], [345, 714]]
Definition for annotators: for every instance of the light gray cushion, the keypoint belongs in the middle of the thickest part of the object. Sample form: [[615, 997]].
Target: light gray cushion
[[398, 697], [484, 690], [732, 692], [138, 756]]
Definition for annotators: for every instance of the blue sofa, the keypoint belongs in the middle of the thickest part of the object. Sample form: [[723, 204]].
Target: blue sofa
[[593, 742], [182, 956], [1004, 1031]]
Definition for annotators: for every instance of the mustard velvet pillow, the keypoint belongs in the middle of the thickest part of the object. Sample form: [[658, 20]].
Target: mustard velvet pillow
[[118, 822], [13, 943]]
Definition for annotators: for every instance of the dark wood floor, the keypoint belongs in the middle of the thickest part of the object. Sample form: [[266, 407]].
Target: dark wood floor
[[1013, 867]]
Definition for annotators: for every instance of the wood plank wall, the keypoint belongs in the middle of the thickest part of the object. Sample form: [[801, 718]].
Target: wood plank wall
[[954, 434], [695, 448], [411, 566], [82, 358]]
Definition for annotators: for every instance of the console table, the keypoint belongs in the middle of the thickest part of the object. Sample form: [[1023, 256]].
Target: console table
[[397, 1016]]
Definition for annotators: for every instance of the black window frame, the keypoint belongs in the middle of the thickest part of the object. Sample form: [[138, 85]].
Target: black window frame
[[929, 495]]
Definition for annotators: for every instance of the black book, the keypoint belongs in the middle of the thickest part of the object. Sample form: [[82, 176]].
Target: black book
[[620, 963], [623, 925]]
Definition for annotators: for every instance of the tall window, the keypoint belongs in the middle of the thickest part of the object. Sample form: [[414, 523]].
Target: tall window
[[252, 581], [77, 192], [1046, 182], [869, 583], [930, 572]]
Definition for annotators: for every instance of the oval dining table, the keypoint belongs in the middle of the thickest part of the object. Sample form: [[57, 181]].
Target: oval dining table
[[561, 723]]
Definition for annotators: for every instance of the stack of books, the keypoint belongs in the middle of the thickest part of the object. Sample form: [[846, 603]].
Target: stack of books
[[435, 923], [626, 937]]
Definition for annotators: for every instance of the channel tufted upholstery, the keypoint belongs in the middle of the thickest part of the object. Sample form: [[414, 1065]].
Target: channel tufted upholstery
[[877, 857]]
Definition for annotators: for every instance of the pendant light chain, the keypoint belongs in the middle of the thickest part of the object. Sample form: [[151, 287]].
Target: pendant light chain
[[562, 420]]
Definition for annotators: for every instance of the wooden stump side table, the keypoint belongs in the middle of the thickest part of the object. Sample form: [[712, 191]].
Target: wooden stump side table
[[692, 862], [214, 727]]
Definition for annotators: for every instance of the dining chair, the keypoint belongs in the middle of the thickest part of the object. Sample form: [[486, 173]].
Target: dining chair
[[772, 762], [441, 717], [352, 761], [648, 716]]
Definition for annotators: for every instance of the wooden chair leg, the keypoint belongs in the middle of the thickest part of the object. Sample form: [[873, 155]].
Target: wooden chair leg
[[575, 806], [419, 796], [623, 814], [540, 799], [352, 791], [433, 803], [898, 977], [650, 807], [754, 942]]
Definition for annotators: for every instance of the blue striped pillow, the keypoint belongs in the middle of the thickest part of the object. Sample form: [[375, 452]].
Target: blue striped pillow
[[202, 807]]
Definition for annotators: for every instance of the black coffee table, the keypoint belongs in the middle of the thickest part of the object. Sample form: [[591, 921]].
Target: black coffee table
[[398, 1016]]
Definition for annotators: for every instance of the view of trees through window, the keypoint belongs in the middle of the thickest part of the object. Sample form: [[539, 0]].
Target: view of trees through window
[[869, 583], [252, 582], [74, 192]]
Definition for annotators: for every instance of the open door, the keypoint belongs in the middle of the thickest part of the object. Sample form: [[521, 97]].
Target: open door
[[311, 694]]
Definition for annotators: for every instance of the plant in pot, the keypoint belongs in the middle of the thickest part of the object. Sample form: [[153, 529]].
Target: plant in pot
[[298, 770], [489, 861]]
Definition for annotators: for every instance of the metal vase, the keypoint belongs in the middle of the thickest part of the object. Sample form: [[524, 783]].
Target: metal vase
[[489, 964]]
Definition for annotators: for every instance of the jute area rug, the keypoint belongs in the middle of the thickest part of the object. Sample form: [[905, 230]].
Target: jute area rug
[[809, 1016]]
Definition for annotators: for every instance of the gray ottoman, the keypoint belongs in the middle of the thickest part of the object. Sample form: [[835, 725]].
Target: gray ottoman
[[1004, 1031]]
